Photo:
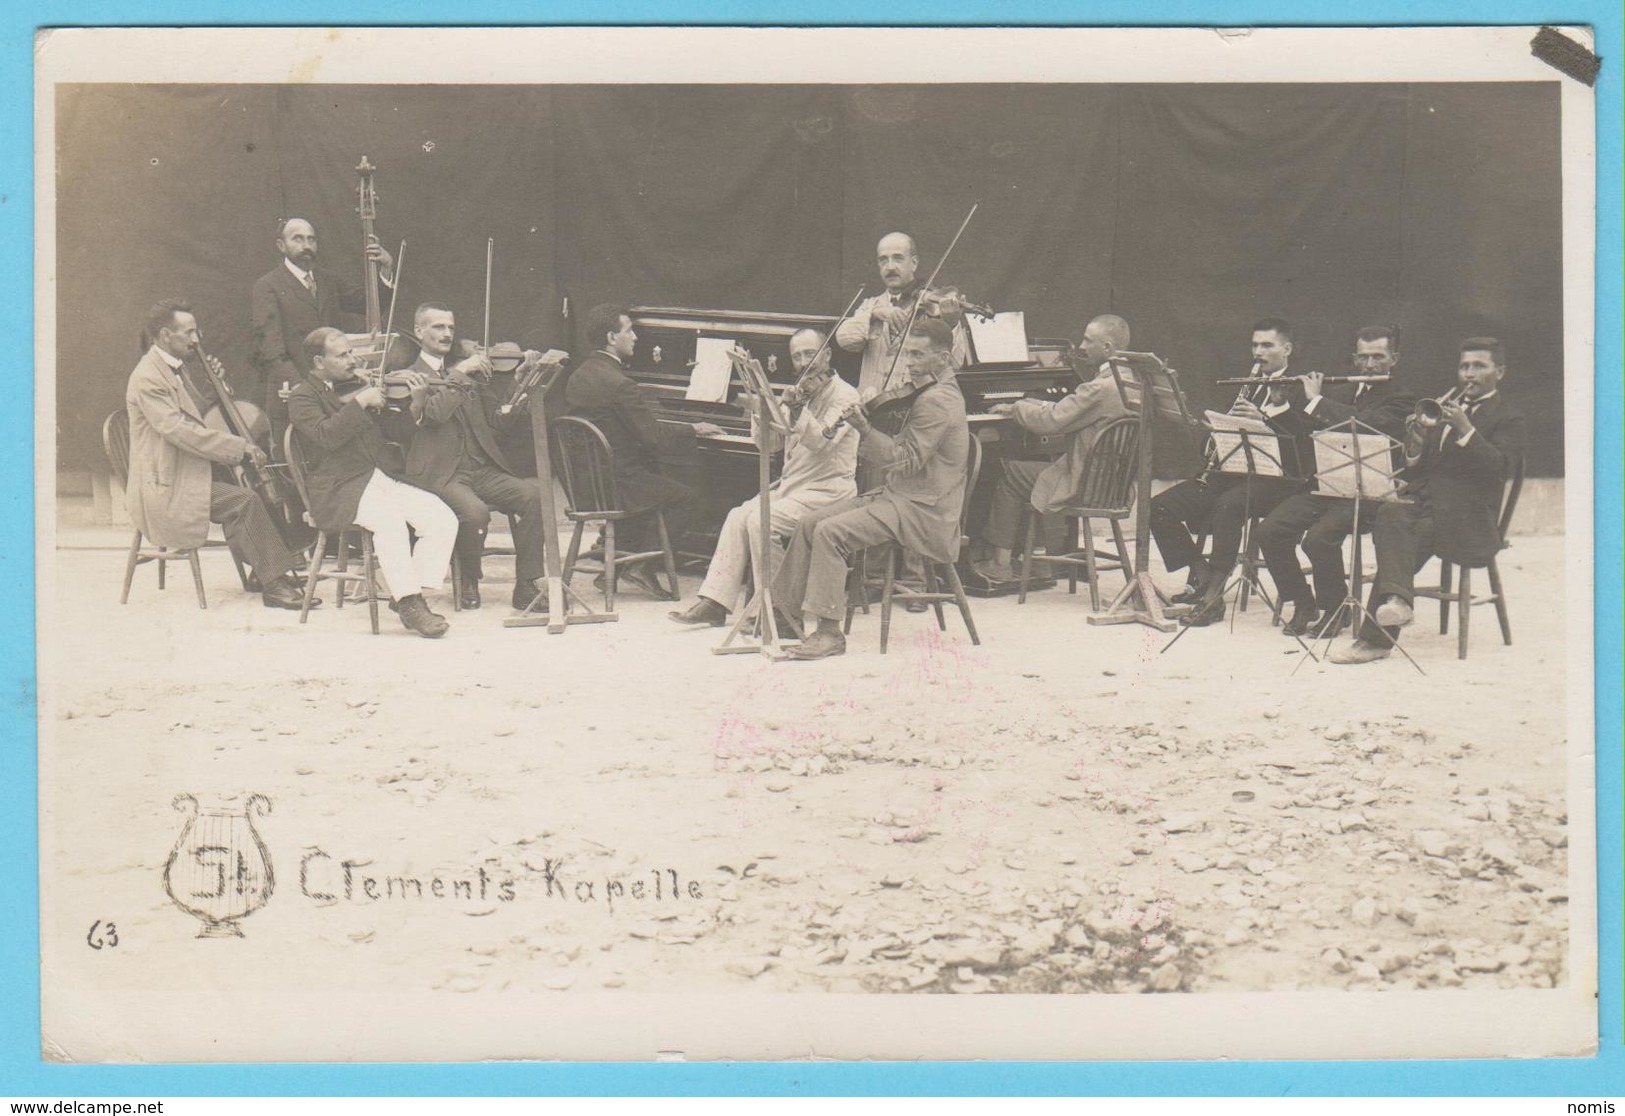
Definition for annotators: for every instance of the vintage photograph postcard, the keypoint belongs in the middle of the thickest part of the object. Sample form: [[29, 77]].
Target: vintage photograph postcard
[[610, 544]]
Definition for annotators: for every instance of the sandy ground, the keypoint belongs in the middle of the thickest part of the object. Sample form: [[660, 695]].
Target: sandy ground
[[1060, 809]]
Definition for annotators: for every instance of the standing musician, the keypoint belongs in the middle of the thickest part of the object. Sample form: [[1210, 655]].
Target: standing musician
[[1455, 467], [1223, 501], [599, 390], [453, 453], [1321, 523], [1048, 485], [818, 471], [347, 482], [173, 494], [292, 299], [876, 327], [918, 506]]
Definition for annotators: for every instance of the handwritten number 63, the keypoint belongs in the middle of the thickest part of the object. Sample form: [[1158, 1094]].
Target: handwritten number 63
[[102, 933]]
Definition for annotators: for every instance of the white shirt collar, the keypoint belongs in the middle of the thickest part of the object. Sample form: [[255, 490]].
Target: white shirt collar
[[435, 363], [299, 273], [1487, 395], [613, 357], [170, 359]]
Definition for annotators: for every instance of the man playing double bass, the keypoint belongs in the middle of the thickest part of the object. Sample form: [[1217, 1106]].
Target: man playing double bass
[[172, 491], [289, 301], [916, 506]]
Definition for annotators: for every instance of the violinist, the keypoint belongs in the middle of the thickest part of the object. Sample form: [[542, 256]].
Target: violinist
[[876, 327], [818, 471], [347, 482], [917, 506], [1046, 486], [290, 300], [172, 492], [454, 454]]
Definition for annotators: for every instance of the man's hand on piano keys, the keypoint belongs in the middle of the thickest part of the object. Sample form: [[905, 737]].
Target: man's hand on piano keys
[[1003, 410], [707, 429]]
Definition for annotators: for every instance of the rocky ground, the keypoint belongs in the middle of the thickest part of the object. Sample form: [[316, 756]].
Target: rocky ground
[[1062, 809]]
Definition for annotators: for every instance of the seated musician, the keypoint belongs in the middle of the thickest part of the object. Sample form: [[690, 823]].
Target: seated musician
[[599, 390], [453, 452], [918, 505], [818, 471], [1048, 485], [173, 493], [1322, 523], [347, 482], [1223, 500], [1455, 469]]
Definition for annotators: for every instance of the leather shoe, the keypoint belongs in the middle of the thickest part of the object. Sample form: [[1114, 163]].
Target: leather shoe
[[1195, 589], [1332, 625], [415, 615], [1208, 610], [395, 607], [994, 572], [469, 598], [1305, 618], [819, 645], [1394, 613], [702, 611], [643, 578], [1358, 652], [525, 593], [283, 593]]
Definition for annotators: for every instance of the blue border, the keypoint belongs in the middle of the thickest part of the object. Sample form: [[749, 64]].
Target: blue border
[[21, 1072]]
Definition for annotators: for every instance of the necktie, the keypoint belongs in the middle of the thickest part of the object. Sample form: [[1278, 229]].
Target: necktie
[[310, 283]]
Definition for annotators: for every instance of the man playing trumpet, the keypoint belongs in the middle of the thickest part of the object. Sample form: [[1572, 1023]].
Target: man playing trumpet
[[1459, 450], [818, 472]]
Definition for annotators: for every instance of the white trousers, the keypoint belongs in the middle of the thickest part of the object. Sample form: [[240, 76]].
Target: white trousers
[[725, 577], [387, 508]]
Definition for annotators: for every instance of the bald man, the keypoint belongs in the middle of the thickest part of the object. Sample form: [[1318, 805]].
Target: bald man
[[1046, 486], [292, 300], [876, 327]]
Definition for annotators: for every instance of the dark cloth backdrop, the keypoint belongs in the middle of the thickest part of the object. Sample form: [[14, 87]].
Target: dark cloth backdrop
[[1190, 210]]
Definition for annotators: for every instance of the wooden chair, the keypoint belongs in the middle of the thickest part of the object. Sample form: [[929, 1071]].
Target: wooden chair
[[1462, 594], [116, 443], [367, 578], [586, 470], [1107, 493], [935, 572]]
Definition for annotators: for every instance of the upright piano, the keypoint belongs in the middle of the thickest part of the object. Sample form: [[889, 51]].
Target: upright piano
[[724, 469]]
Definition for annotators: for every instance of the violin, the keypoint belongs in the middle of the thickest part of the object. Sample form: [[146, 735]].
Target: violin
[[931, 304], [886, 402]]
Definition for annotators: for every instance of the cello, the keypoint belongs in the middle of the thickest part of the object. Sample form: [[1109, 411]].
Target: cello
[[246, 421]]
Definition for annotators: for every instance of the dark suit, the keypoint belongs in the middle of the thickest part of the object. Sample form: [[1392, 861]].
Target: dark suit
[[1321, 523], [918, 507], [1221, 502], [454, 454], [1457, 494], [343, 444], [283, 312], [599, 390]]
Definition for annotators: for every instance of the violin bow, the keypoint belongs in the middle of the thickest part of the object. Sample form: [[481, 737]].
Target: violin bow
[[920, 298], [389, 326], [490, 248]]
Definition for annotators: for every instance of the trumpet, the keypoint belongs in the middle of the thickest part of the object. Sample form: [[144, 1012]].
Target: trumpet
[[1430, 412]]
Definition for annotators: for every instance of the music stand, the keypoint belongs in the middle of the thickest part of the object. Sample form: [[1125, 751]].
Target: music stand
[[1141, 602], [756, 628], [1251, 454], [1351, 469], [564, 605]]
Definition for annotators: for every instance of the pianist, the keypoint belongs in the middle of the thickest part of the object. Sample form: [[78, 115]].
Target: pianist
[[817, 472], [598, 389], [1050, 485]]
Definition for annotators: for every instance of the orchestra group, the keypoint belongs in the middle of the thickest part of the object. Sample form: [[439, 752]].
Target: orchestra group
[[421, 457]]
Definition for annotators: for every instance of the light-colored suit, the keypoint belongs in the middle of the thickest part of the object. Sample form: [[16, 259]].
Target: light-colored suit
[[918, 506], [171, 456], [818, 472], [879, 342], [1082, 414]]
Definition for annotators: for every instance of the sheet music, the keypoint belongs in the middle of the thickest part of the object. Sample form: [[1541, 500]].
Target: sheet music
[[1335, 473], [1002, 340], [1263, 445], [708, 381]]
